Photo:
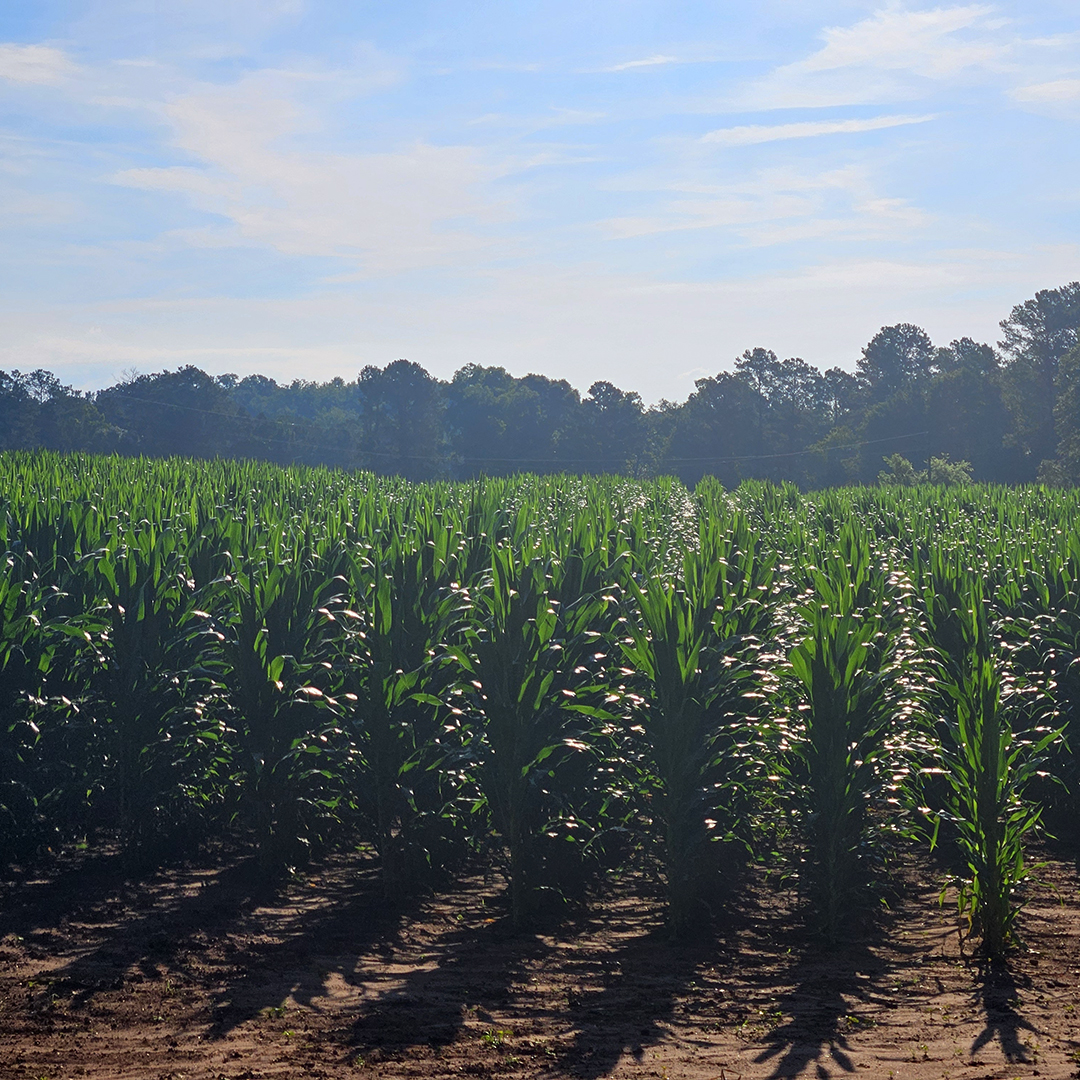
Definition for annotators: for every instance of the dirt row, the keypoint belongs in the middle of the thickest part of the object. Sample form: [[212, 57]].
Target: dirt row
[[190, 975]]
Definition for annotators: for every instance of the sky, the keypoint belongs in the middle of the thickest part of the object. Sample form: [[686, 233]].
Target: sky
[[620, 190]]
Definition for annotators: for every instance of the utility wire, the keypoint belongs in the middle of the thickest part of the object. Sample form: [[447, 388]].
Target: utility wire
[[465, 458]]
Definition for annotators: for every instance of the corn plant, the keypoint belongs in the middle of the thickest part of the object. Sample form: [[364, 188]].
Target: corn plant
[[520, 659], [137, 575], [845, 670], [690, 642], [266, 637], [52, 748], [987, 758], [1051, 657], [284, 648], [391, 675], [25, 659]]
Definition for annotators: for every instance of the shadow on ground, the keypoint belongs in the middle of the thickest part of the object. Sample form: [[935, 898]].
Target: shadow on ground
[[832, 991], [649, 981], [998, 995], [825, 1005], [641, 985], [607, 999], [109, 929], [469, 973]]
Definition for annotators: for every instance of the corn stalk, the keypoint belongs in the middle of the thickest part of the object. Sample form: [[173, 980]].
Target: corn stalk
[[845, 669], [691, 641], [987, 758]]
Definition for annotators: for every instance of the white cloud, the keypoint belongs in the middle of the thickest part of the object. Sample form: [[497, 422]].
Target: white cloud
[[295, 161], [736, 211], [1048, 93], [411, 207], [890, 56], [23, 209], [923, 42], [762, 133], [39, 64], [870, 219], [648, 62], [197, 183], [776, 206]]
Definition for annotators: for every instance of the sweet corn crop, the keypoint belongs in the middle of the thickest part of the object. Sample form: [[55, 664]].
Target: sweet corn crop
[[556, 677]]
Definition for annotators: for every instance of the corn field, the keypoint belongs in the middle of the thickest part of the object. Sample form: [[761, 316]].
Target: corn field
[[554, 677]]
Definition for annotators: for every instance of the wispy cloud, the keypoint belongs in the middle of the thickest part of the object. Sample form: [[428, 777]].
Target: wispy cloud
[[415, 206], [555, 117], [1057, 98], [345, 206], [777, 206], [644, 334], [892, 55], [751, 134], [924, 42], [647, 62], [1048, 93], [39, 64]]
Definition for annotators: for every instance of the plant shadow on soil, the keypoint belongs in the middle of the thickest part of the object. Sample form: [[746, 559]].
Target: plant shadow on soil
[[613, 998], [52, 891], [644, 979], [997, 995], [830, 991], [304, 951], [641, 984], [615, 984], [131, 928], [469, 972]]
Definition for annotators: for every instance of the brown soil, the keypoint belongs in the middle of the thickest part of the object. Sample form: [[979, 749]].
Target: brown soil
[[188, 976]]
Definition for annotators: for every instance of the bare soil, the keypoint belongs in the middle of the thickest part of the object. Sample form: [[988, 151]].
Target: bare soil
[[189, 975]]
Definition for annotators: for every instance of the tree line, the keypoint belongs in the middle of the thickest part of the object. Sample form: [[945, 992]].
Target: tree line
[[1010, 410]]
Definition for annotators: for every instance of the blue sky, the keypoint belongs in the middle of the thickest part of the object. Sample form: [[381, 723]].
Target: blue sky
[[619, 189]]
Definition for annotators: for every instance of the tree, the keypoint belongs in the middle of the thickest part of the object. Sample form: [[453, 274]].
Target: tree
[[184, 412], [37, 409], [900, 471], [794, 410], [949, 473], [1035, 336], [401, 410], [1045, 328], [718, 425], [841, 391], [610, 432], [940, 471], [966, 354], [895, 357], [966, 413], [897, 423], [553, 419], [258, 395], [503, 425], [18, 413], [761, 370], [1067, 418]]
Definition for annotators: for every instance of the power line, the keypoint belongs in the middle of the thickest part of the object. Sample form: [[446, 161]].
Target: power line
[[713, 460], [469, 459]]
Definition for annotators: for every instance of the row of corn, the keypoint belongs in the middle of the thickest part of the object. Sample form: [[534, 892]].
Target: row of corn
[[560, 676]]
